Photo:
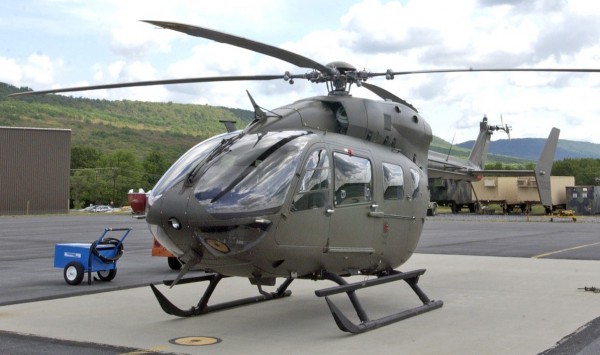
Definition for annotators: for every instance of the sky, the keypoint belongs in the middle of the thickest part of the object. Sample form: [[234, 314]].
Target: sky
[[47, 44]]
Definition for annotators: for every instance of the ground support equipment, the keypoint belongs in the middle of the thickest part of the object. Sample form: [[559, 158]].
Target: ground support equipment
[[100, 256], [569, 214]]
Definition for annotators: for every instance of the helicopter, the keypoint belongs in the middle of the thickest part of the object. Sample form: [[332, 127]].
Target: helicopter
[[323, 188]]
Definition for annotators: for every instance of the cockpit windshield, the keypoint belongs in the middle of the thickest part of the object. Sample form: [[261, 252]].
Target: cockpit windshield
[[188, 162], [253, 176]]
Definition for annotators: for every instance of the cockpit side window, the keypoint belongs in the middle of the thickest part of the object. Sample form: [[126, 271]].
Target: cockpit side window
[[416, 180], [393, 182], [313, 191], [352, 179]]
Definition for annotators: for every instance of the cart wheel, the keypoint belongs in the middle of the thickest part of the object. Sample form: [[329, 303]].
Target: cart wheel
[[73, 273], [174, 263], [107, 275]]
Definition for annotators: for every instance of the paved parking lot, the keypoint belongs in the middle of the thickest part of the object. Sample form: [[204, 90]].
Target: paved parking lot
[[508, 286]]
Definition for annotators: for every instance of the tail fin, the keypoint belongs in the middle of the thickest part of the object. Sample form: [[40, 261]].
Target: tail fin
[[479, 152], [544, 168]]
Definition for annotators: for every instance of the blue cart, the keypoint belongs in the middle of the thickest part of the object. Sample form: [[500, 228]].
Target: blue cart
[[100, 256]]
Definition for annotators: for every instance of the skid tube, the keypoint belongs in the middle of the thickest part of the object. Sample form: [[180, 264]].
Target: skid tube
[[202, 307], [366, 324]]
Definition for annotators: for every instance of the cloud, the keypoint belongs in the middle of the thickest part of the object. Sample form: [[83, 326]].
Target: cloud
[[37, 70], [105, 42], [11, 72]]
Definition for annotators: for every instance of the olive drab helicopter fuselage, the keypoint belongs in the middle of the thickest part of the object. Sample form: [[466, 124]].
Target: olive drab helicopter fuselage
[[322, 184], [323, 188]]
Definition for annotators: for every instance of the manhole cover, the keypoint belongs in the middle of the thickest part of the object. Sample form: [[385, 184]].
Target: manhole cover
[[195, 341]]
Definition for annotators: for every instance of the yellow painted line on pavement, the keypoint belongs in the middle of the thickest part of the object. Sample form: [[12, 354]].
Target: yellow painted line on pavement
[[563, 250]]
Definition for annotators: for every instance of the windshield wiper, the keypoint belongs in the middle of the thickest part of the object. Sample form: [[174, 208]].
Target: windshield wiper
[[225, 144], [251, 167]]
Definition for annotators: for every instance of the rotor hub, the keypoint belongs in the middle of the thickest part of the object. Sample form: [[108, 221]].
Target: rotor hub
[[342, 67]]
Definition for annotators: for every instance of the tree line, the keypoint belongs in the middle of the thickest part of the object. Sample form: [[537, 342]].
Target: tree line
[[585, 170], [123, 145], [103, 177], [106, 177]]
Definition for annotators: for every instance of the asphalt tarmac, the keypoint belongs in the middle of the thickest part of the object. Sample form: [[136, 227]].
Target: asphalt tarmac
[[27, 255], [509, 285]]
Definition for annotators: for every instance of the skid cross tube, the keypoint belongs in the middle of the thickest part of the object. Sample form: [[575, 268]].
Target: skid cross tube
[[345, 324], [202, 307]]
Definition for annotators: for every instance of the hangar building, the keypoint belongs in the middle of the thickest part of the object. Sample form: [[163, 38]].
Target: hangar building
[[34, 170]]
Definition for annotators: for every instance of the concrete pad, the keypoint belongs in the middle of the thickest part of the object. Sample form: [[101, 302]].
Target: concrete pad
[[491, 305]]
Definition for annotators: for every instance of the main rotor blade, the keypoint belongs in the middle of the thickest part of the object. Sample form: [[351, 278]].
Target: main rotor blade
[[563, 70], [386, 95], [241, 42], [153, 82]]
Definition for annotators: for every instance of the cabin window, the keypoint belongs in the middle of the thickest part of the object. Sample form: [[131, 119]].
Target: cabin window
[[352, 179], [393, 182], [416, 179], [313, 191]]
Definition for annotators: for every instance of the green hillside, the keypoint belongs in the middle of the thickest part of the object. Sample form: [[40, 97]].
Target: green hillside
[[441, 146], [142, 127], [119, 125], [531, 148], [119, 145]]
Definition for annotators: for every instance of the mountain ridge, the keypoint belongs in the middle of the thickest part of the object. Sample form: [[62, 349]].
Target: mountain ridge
[[531, 148], [174, 128]]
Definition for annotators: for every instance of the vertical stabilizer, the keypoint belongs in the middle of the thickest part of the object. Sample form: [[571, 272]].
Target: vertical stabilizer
[[544, 168], [479, 152]]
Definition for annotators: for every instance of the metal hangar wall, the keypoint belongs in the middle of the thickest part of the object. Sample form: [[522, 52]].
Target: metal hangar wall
[[34, 170]]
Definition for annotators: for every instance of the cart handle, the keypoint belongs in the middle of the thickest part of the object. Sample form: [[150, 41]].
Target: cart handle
[[106, 230]]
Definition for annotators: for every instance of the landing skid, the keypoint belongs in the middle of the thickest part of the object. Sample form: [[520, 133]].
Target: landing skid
[[341, 320], [203, 307], [366, 324]]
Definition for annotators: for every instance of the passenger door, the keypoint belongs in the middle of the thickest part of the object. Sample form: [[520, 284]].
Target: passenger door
[[307, 222], [351, 228]]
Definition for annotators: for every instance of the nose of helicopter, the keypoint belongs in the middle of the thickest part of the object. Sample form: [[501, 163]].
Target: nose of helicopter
[[186, 229], [223, 194], [162, 227]]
